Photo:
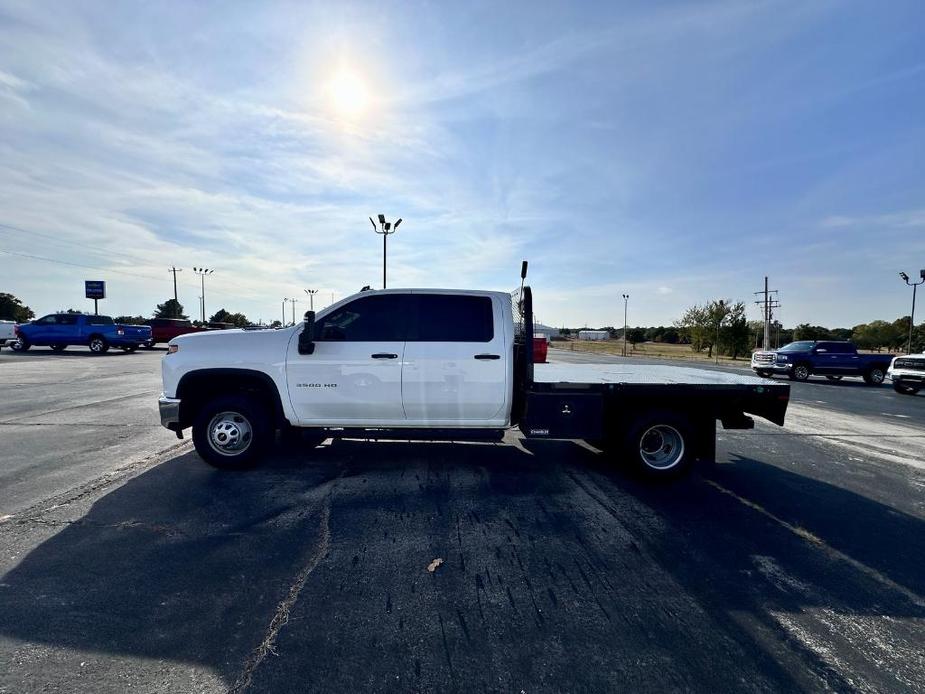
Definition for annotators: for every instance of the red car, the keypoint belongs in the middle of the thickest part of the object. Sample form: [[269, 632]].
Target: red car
[[165, 329]]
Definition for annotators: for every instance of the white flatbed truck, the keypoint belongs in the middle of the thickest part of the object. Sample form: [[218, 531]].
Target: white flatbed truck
[[432, 364]]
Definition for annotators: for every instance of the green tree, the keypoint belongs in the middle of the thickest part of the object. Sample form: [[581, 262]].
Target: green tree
[[635, 335], [694, 325], [170, 309], [239, 320], [736, 333], [11, 308]]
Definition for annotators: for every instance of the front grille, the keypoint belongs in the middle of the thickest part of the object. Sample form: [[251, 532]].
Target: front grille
[[910, 364], [764, 358]]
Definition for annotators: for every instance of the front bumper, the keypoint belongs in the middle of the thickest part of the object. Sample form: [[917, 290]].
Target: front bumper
[[776, 367], [170, 413], [903, 376]]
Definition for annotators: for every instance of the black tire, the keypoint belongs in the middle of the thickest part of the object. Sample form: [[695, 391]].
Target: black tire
[[905, 388], [834, 378], [800, 372], [875, 376], [20, 345], [150, 345], [660, 445], [58, 348], [232, 432], [99, 344]]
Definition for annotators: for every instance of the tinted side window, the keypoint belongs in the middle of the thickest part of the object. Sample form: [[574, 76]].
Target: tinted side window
[[67, 319], [368, 319], [452, 318], [99, 320], [47, 320]]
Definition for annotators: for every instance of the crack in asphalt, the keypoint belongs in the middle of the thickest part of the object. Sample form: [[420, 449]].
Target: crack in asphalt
[[281, 615]]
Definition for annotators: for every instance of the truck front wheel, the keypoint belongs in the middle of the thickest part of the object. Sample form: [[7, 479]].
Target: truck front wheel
[[99, 345], [875, 376], [660, 445], [905, 388], [800, 372], [231, 432]]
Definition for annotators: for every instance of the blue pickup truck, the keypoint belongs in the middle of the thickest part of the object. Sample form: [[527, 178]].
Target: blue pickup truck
[[800, 360], [61, 330]]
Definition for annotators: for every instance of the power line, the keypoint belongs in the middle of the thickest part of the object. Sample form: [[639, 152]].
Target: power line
[[82, 246], [91, 267]]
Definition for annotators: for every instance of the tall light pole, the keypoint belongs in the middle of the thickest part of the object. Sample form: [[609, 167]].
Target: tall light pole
[[202, 272], [285, 301], [293, 301], [914, 286], [626, 299], [385, 228], [311, 298], [720, 317], [175, 270]]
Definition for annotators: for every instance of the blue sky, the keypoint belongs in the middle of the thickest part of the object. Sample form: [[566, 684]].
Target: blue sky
[[675, 151]]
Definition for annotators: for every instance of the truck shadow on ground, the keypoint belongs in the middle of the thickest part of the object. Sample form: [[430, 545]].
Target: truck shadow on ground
[[541, 546]]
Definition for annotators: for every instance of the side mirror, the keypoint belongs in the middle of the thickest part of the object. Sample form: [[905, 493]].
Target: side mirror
[[307, 336]]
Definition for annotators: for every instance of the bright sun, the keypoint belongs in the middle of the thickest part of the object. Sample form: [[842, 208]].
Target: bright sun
[[348, 93]]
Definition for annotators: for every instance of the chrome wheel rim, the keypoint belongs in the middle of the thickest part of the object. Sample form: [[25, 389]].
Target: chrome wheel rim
[[801, 372], [661, 447], [876, 376], [230, 433], [96, 345]]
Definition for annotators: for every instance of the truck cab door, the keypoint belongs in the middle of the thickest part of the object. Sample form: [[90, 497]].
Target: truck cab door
[[43, 330], [457, 370], [353, 376]]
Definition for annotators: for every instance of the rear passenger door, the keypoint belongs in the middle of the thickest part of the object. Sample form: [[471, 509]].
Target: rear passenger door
[[455, 366]]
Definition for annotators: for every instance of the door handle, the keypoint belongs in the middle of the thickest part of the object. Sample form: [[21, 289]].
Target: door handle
[[384, 355], [487, 356]]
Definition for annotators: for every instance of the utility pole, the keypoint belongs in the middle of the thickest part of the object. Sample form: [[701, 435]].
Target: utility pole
[[914, 285], [293, 301], [202, 272], [768, 304], [175, 270], [385, 228], [626, 298], [285, 301], [311, 298]]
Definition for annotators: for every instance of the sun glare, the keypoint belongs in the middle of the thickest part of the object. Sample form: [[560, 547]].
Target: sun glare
[[348, 94]]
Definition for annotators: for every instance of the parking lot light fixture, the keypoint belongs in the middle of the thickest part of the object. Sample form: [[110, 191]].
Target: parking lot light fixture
[[311, 298], [385, 228], [914, 286], [626, 298]]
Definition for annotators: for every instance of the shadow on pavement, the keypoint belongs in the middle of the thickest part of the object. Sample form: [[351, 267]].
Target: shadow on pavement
[[557, 573]]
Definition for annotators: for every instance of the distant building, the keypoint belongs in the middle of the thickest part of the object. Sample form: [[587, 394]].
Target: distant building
[[593, 334], [548, 331]]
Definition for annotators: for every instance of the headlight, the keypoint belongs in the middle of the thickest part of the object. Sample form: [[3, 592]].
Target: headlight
[[782, 357], [171, 349]]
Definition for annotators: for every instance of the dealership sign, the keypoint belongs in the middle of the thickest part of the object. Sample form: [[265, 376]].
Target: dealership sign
[[95, 289]]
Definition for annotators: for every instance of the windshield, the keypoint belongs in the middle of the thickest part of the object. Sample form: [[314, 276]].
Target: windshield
[[797, 347]]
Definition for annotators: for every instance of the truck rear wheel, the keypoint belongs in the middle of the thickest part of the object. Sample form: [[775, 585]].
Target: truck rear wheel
[[905, 388], [20, 345], [659, 445], [874, 376], [231, 432]]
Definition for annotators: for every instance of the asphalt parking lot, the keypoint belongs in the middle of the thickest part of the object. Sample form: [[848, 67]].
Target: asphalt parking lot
[[796, 563]]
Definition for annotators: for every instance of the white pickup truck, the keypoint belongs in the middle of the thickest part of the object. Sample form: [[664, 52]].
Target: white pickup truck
[[7, 332], [439, 364]]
